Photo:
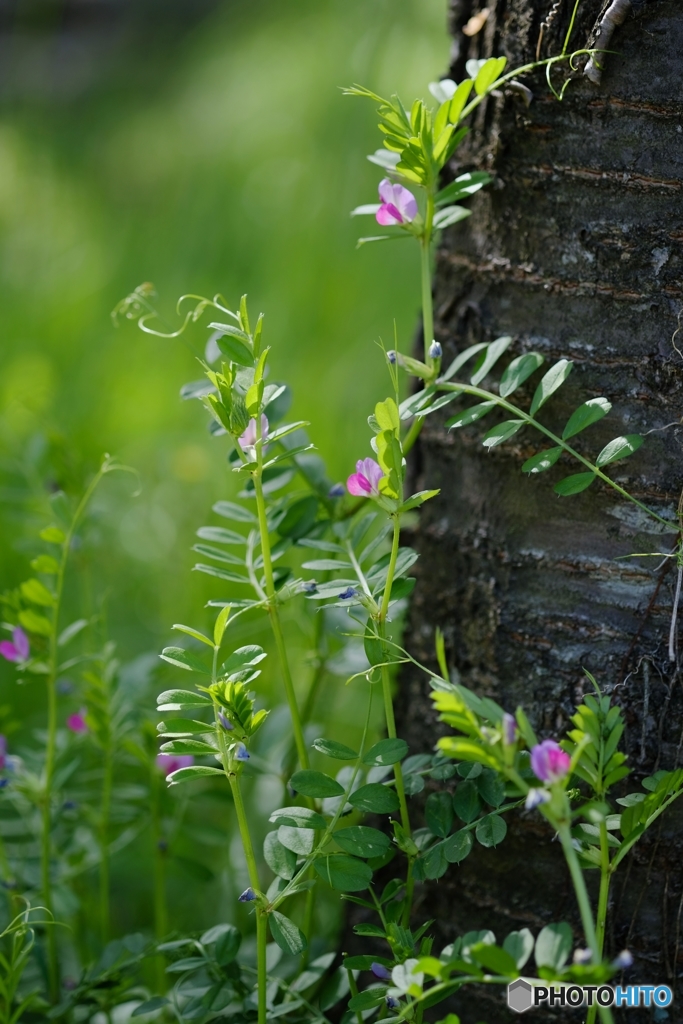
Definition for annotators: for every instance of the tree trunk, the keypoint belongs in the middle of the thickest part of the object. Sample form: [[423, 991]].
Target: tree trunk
[[575, 250]]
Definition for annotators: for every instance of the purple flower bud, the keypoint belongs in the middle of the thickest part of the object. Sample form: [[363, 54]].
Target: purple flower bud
[[623, 960], [347, 594], [162, 845], [241, 752], [380, 971], [336, 491], [509, 730], [77, 722], [535, 797], [549, 762], [310, 587], [69, 805], [435, 350], [225, 721], [392, 1003], [3, 783], [391, 355], [248, 896]]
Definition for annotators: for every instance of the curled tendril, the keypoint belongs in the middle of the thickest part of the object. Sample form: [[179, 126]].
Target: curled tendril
[[137, 306]]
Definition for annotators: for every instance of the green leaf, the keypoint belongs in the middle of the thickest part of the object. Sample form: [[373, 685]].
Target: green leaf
[[220, 535], [489, 73], [466, 801], [458, 846], [221, 625], [339, 751], [325, 564], [491, 787], [405, 559], [70, 631], [242, 659], [149, 1006], [315, 784], [542, 460], [461, 359], [415, 500], [288, 936], [178, 700], [518, 371], [35, 623], [183, 727], [551, 381], [45, 564], [35, 591], [299, 518], [229, 510], [434, 862], [491, 830], [53, 535], [233, 348], [553, 945], [590, 412], [464, 185], [459, 99], [386, 752], [489, 357], [196, 771], [502, 432], [493, 958], [439, 814], [520, 946], [298, 817], [343, 872], [368, 998], [192, 632], [619, 448], [374, 799], [574, 484], [218, 555], [471, 415], [184, 659], [188, 746], [280, 860], [221, 574], [449, 215], [299, 840], [362, 841]]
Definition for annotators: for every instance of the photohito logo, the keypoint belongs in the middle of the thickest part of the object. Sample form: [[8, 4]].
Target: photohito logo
[[523, 996]]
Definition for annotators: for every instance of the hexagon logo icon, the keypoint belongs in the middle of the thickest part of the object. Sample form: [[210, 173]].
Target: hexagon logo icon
[[520, 996]]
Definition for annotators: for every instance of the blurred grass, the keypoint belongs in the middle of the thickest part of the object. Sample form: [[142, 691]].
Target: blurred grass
[[226, 160]]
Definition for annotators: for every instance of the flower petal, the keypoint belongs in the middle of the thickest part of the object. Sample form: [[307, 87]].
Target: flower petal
[[386, 190], [405, 202], [388, 215], [373, 472], [9, 651], [358, 485], [21, 642]]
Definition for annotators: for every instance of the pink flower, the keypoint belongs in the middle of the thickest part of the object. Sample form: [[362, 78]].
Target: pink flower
[[248, 438], [399, 206], [16, 649], [77, 722], [549, 762], [168, 763], [365, 481]]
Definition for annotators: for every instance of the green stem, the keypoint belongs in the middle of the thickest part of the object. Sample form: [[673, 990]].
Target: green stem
[[426, 279], [275, 616], [51, 744], [160, 914], [252, 869], [104, 844], [353, 987], [413, 434], [579, 884], [603, 899]]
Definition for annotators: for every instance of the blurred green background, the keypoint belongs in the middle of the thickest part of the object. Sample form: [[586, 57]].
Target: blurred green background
[[203, 154]]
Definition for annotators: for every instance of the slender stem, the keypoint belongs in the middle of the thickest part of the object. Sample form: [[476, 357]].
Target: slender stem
[[160, 914], [426, 279], [261, 923], [262, 974], [603, 899], [104, 843], [354, 992], [275, 617], [51, 744], [413, 434], [581, 892], [386, 677]]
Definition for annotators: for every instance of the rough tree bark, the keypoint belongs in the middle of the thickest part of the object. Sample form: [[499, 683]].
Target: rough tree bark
[[575, 251]]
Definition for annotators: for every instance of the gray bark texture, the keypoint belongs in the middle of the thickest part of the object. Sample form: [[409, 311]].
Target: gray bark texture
[[575, 250]]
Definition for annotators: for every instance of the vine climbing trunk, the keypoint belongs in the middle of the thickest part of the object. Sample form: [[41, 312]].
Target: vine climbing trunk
[[575, 251]]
